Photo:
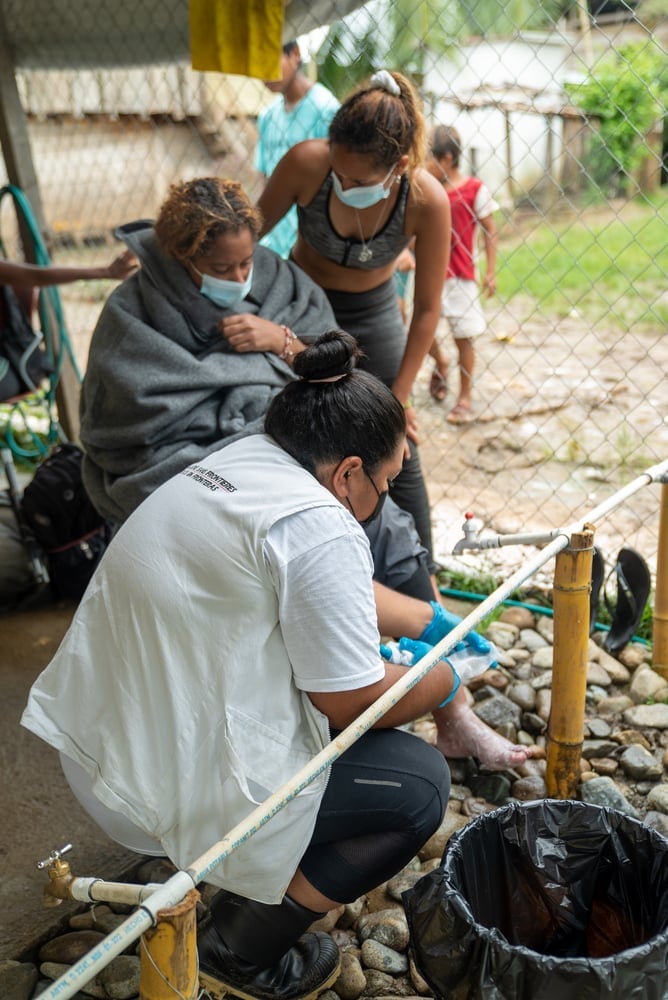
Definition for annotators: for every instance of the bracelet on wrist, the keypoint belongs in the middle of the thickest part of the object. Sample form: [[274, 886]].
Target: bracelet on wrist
[[290, 338], [408, 405], [456, 681]]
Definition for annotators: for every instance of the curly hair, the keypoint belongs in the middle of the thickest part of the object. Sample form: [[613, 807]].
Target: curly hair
[[384, 125], [195, 213]]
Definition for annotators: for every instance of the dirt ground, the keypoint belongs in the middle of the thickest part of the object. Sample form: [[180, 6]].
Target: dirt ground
[[566, 416]]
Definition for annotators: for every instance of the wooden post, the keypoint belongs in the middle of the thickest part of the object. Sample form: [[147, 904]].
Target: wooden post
[[572, 588], [169, 954], [509, 154], [17, 154]]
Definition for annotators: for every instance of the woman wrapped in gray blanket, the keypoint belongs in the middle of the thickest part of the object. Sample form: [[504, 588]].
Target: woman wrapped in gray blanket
[[188, 353]]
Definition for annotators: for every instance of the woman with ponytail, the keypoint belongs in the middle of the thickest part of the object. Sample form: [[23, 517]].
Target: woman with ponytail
[[362, 196]]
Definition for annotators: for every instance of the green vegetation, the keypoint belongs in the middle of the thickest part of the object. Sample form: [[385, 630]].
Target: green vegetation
[[486, 584], [398, 34], [608, 271], [627, 93]]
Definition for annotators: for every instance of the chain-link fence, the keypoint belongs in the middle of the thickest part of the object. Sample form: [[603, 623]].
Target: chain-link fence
[[561, 111]]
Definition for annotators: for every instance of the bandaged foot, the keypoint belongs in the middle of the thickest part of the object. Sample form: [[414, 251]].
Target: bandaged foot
[[460, 733]]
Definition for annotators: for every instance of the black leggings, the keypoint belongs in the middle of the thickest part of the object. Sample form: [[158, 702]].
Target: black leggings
[[374, 319], [385, 797]]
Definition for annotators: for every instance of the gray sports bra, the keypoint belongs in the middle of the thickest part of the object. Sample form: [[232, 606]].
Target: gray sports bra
[[316, 228]]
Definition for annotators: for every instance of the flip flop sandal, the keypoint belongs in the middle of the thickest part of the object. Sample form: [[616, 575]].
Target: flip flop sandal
[[597, 575], [438, 385], [633, 587], [460, 415]]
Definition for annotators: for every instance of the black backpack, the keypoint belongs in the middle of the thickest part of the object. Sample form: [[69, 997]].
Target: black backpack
[[23, 361], [59, 515]]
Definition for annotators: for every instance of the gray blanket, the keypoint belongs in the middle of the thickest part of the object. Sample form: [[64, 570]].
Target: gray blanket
[[162, 387]]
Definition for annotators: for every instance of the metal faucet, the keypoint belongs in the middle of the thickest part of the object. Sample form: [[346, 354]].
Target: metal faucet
[[470, 540], [60, 877]]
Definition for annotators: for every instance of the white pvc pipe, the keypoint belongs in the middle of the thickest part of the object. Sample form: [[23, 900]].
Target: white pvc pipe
[[173, 891], [96, 890], [167, 895]]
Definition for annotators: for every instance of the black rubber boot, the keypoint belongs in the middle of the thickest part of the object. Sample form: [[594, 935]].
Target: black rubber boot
[[256, 951]]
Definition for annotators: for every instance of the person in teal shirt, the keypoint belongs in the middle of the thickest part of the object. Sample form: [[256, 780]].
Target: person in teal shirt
[[302, 110]]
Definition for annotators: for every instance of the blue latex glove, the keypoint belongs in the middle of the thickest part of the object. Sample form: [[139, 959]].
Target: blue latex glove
[[465, 661], [444, 622], [406, 652]]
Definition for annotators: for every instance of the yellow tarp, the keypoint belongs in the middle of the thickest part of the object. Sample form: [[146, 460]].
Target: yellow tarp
[[237, 36]]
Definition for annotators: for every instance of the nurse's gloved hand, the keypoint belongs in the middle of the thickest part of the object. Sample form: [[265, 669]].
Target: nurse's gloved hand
[[406, 652], [443, 622], [469, 664]]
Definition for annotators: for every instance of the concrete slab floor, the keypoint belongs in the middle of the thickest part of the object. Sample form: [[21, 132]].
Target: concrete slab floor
[[38, 813]]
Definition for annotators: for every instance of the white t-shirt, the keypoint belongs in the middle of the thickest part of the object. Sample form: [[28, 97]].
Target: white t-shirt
[[179, 688]]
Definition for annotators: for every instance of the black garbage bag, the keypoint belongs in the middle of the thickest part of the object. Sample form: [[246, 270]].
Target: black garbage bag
[[545, 900]]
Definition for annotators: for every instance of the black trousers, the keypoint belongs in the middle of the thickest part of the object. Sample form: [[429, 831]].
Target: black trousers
[[386, 796], [374, 319]]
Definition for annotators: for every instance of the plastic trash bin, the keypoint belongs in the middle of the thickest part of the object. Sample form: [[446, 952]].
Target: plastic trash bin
[[545, 900]]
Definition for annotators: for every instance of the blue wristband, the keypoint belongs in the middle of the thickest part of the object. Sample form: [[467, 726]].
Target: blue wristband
[[456, 681]]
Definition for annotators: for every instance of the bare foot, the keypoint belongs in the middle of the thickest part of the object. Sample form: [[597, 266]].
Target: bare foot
[[460, 733]]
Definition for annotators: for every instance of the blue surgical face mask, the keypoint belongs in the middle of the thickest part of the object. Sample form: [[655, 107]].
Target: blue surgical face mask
[[364, 196], [227, 294]]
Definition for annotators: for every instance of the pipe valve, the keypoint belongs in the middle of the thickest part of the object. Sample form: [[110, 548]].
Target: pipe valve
[[471, 527], [60, 877]]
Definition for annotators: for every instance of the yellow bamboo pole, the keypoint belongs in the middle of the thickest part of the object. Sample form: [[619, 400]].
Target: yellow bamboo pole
[[572, 587], [169, 954], [660, 615]]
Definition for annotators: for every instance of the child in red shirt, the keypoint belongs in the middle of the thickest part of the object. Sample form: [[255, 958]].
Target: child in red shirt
[[471, 205]]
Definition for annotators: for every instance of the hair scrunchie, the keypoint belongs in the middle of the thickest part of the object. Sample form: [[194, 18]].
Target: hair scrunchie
[[383, 79]]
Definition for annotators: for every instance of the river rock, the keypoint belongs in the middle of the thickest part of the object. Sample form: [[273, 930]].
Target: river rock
[[522, 694], [378, 956], [614, 704], [644, 684], [93, 988], [17, 979], [633, 655], [531, 640], [389, 927], [498, 710], [528, 789], [502, 634], [542, 681], [598, 748], [627, 737], [596, 674], [351, 981], [658, 821], [658, 798], [121, 977], [598, 729], [647, 716], [405, 880], [67, 949], [604, 765], [605, 792], [544, 703], [518, 616], [639, 764], [543, 658], [452, 821]]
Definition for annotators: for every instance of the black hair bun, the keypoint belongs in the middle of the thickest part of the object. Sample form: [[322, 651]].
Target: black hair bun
[[334, 353]]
